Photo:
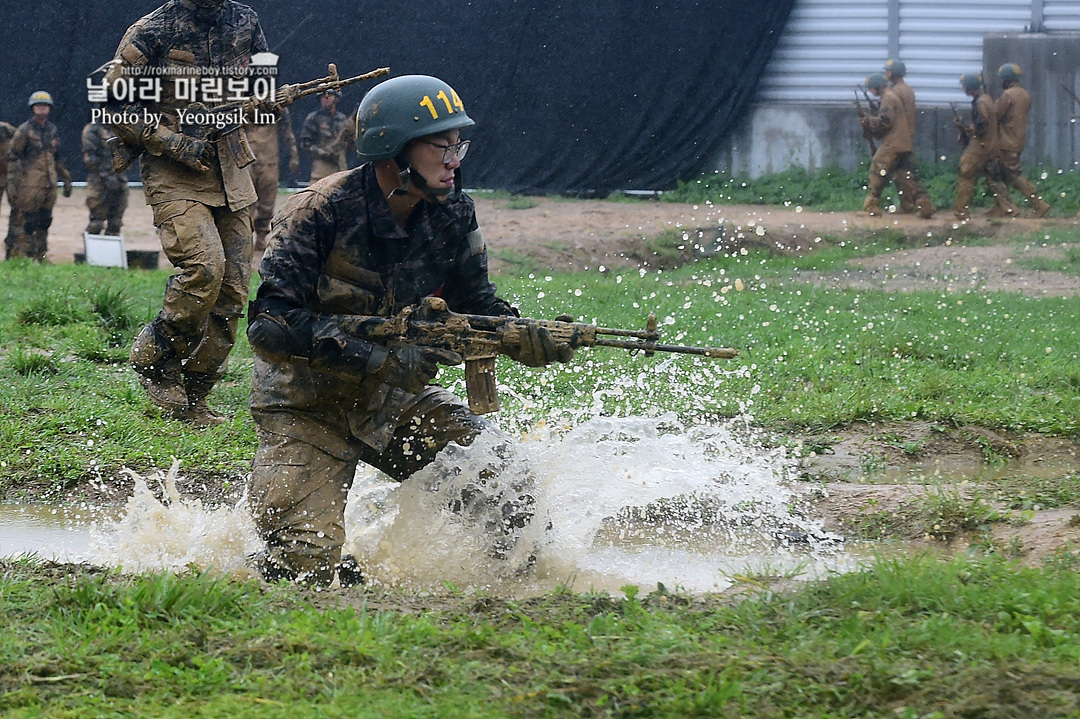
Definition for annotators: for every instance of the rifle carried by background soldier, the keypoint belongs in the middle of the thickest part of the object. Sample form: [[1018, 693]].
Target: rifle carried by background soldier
[[237, 112], [964, 136], [479, 339], [862, 113]]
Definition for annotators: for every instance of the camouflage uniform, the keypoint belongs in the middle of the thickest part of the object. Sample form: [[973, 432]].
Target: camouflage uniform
[[979, 157], [265, 171], [106, 189], [336, 249], [1011, 110], [327, 137], [893, 159], [201, 216], [7, 131], [33, 168], [907, 100]]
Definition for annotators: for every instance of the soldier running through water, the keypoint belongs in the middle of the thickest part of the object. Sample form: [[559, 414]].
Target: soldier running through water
[[893, 159], [106, 189], [33, 168], [368, 241], [200, 195]]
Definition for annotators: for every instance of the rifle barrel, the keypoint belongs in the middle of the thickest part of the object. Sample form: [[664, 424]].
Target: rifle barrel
[[718, 352]]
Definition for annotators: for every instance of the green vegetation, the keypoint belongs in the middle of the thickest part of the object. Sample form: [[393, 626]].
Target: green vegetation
[[835, 189], [911, 638], [810, 358]]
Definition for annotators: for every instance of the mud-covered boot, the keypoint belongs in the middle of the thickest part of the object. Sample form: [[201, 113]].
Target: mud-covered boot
[[872, 205], [260, 241], [925, 206], [196, 411], [1041, 207], [155, 361]]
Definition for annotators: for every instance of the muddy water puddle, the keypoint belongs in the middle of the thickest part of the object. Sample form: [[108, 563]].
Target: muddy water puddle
[[615, 502]]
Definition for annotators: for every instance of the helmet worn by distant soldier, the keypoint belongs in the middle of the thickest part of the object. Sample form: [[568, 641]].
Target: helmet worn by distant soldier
[[896, 67], [1009, 72], [971, 81], [40, 98], [876, 82], [405, 108]]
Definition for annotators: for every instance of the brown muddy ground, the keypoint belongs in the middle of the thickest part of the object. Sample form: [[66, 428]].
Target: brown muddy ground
[[864, 467]]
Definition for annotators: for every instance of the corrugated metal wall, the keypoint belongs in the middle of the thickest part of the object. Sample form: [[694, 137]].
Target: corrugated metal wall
[[830, 45]]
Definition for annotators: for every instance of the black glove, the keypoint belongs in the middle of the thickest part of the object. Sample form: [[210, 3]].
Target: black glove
[[67, 189], [538, 348], [409, 367]]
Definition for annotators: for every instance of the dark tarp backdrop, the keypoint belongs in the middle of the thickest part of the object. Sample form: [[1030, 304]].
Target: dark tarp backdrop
[[577, 98]]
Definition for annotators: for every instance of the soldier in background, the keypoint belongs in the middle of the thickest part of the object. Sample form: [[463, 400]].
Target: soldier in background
[[326, 135], [895, 72], [106, 189], [265, 171], [199, 193], [7, 131], [1012, 110], [893, 159], [33, 168], [980, 157]]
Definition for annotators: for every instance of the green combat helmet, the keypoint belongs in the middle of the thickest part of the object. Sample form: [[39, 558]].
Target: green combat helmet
[[40, 98], [1009, 72], [876, 82], [971, 81], [896, 67], [405, 108]]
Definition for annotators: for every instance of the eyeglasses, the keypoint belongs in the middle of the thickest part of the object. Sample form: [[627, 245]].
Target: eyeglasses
[[457, 150]]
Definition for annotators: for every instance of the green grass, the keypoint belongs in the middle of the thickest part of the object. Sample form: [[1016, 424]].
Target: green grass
[[916, 637], [809, 359], [836, 189]]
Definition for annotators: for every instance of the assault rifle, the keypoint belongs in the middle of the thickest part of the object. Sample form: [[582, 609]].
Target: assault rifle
[[224, 121], [865, 130], [479, 339], [958, 120]]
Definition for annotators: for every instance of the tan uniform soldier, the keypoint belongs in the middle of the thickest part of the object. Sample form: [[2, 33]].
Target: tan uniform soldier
[[893, 159], [265, 171], [981, 153], [327, 134], [1012, 110], [199, 192], [106, 189], [895, 72], [7, 131], [33, 169]]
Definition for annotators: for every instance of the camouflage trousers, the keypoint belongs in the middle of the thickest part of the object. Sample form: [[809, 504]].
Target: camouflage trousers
[[265, 177], [210, 247], [28, 225], [107, 209], [899, 168], [298, 490], [1013, 176], [974, 164]]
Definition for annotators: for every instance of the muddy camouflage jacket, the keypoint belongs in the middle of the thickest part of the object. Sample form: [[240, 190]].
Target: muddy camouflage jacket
[[336, 249], [890, 125], [33, 164], [97, 156], [984, 135], [1012, 110], [7, 130], [177, 40], [907, 99], [327, 137]]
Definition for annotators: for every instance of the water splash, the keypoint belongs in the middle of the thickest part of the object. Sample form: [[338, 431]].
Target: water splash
[[615, 501], [172, 533]]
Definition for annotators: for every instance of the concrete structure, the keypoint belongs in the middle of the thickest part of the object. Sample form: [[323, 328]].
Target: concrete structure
[[804, 114]]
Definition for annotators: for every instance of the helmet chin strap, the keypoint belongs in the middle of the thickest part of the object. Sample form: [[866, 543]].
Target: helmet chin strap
[[409, 176]]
